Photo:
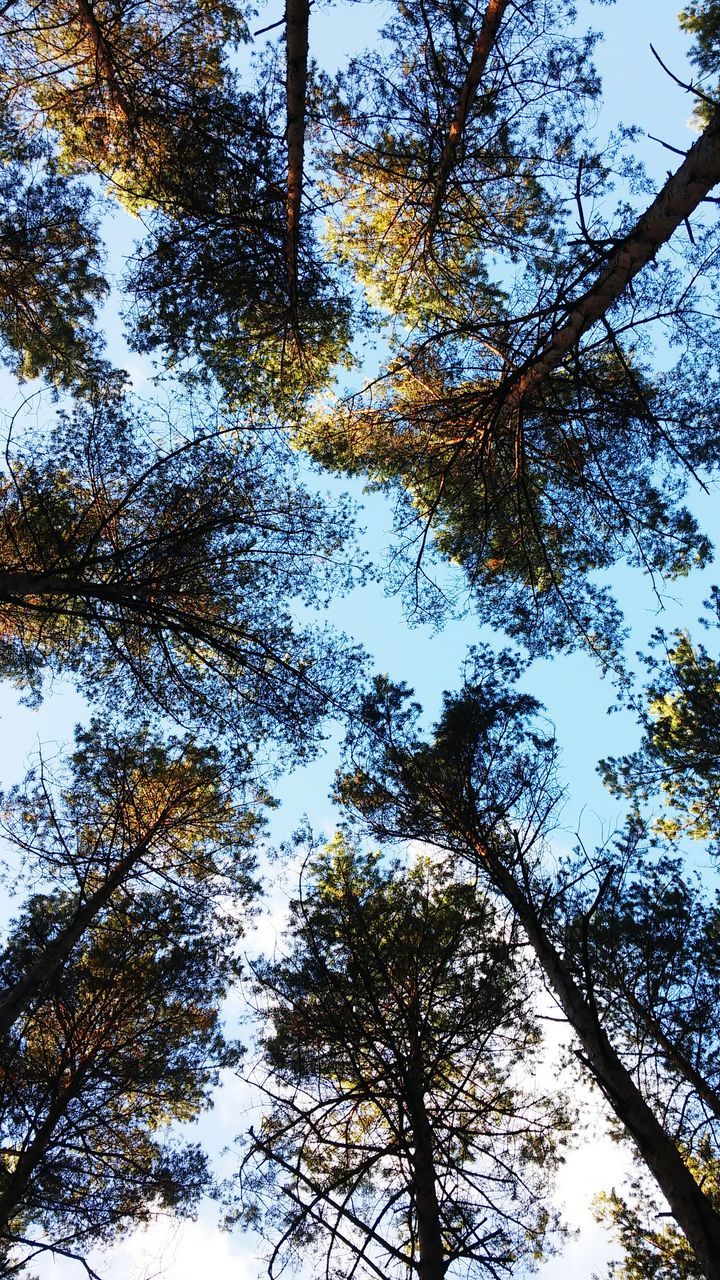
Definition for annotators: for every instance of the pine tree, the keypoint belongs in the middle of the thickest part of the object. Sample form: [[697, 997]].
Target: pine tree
[[398, 1139], [483, 790]]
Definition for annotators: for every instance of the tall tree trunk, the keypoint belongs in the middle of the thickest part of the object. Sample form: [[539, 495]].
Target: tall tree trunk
[[481, 51], [690, 1207], [34, 1153], [680, 197], [104, 60], [297, 19], [431, 1260]]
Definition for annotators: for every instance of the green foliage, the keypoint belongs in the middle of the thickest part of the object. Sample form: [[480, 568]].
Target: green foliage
[[126, 1040], [701, 19], [654, 1249], [678, 755], [151, 807], [50, 270], [489, 765], [164, 575], [399, 1017], [628, 947], [118, 84], [534, 487], [169, 566], [142, 95], [209, 284], [389, 118], [642, 934], [111, 985], [530, 501]]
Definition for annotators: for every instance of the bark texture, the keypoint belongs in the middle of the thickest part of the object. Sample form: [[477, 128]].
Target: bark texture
[[431, 1260], [104, 60]]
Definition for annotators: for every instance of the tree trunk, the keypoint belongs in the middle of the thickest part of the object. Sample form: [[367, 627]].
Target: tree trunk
[[104, 60], [16, 998], [483, 46], [431, 1260], [297, 19], [680, 197], [33, 1155], [15, 587], [690, 1207]]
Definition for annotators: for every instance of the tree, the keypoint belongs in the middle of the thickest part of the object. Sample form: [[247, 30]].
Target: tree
[[701, 19], [144, 96], [128, 811], [483, 790], [398, 1140], [650, 958], [535, 448], [651, 952], [159, 573], [111, 984], [492, 19], [530, 431], [520, 408], [215, 284], [51, 278], [125, 1040], [434, 170], [652, 1247], [297, 20], [117, 83], [678, 753]]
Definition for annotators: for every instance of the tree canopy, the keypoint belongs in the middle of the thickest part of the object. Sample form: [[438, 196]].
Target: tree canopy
[[111, 984], [678, 751], [483, 788], [125, 1040], [396, 1139], [164, 571]]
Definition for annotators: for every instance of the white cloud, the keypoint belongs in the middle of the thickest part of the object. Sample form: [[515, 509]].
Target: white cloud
[[167, 1250]]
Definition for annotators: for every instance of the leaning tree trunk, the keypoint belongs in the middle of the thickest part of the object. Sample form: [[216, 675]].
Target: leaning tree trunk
[[691, 1209], [104, 60], [680, 197], [17, 998], [481, 51], [34, 1153]]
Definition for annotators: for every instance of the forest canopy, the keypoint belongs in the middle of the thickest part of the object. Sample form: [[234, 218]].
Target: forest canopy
[[248, 284]]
